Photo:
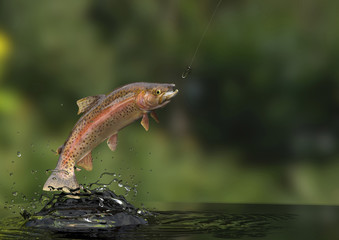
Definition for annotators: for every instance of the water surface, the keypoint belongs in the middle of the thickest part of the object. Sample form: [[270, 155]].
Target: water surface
[[203, 221]]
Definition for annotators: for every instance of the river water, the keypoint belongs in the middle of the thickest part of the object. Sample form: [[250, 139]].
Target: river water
[[71, 219]]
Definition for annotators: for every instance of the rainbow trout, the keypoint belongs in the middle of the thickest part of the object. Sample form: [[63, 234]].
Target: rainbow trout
[[103, 117]]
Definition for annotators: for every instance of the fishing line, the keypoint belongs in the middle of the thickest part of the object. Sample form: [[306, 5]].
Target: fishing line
[[188, 69]]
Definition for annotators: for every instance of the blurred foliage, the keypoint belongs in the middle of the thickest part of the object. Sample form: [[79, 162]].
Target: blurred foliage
[[256, 121]]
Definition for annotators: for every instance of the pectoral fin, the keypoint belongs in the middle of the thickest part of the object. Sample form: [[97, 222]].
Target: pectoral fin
[[86, 162], [112, 142], [155, 116], [87, 103], [145, 121]]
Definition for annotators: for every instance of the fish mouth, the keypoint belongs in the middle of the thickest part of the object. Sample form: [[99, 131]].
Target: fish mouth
[[167, 96]]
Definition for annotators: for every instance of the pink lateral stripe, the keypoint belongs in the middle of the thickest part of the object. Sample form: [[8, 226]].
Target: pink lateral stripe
[[99, 119]]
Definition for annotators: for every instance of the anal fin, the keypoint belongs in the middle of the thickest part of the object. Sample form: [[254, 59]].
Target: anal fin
[[112, 142], [86, 162]]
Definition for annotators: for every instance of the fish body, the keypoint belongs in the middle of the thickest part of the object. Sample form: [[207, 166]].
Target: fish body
[[103, 117]]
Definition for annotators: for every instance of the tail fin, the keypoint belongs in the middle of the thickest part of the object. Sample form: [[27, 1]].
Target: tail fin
[[61, 181]]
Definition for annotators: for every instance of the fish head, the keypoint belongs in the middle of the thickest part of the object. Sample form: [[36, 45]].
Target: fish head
[[155, 96]]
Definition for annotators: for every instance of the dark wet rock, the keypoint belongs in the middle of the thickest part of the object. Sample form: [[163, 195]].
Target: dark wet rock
[[98, 209]]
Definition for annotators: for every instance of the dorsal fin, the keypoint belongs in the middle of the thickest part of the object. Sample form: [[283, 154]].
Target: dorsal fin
[[87, 103]]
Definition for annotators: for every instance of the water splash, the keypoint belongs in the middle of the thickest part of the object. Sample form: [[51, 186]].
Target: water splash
[[95, 209], [95, 199], [54, 170]]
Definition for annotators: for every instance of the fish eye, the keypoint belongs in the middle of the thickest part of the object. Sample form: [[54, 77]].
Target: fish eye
[[158, 91]]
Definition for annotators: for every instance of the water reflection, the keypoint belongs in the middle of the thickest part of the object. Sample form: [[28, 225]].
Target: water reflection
[[190, 221]]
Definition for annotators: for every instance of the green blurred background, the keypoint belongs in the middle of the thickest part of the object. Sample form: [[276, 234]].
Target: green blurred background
[[256, 122]]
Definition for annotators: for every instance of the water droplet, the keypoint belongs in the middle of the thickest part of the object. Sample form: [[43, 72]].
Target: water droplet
[[34, 171], [118, 201], [101, 203], [187, 71], [10, 174], [15, 194], [18, 153]]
